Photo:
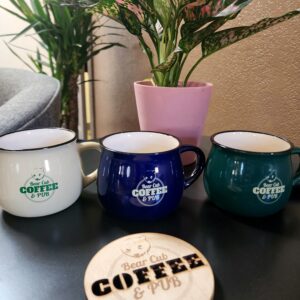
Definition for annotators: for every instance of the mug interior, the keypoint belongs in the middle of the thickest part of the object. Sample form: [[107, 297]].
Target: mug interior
[[251, 142], [36, 139], [140, 142]]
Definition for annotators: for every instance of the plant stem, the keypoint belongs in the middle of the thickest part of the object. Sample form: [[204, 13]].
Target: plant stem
[[154, 39], [150, 57], [178, 69], [72, 122], [192, 70]]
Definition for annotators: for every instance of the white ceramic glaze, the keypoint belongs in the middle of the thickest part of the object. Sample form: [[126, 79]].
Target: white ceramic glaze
[[38, 182], [32, 139], [251, 141], [140, 142]]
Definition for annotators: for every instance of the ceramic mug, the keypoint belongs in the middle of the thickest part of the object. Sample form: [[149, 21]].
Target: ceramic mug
[[140, 174], [41, 172], [250, 173]]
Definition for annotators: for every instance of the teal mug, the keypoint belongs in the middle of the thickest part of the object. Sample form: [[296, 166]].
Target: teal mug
[[250, 173]]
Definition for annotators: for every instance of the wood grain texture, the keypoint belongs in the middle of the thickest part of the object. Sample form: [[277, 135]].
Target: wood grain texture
[[149, 266]]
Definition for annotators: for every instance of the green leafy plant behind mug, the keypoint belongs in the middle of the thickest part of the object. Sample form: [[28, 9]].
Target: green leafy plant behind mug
[[176, 27], [68, 38]]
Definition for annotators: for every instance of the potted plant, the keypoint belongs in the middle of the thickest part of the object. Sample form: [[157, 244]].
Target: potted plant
[[68, 38], [174, 29]]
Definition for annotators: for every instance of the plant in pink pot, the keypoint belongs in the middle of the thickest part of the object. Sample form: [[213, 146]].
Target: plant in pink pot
[[168, 30]]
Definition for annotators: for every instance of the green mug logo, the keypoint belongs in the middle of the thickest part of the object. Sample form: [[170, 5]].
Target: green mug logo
[[270, 189], [39, 187]]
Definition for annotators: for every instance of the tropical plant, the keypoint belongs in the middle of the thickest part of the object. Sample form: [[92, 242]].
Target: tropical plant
[[68, 37], [176, 27]]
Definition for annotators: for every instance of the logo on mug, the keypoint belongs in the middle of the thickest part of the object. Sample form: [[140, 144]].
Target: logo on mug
[[270, 189], [39, 187], [150, 190]]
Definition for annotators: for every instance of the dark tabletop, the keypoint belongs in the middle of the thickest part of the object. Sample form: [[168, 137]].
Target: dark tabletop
[[45, 258]]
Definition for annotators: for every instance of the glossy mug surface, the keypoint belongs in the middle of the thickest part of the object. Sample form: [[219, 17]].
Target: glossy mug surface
[[250, 173], [140, 174], [40, 171]]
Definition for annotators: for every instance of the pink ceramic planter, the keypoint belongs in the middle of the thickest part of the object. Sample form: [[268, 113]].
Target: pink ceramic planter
[[180, 111]]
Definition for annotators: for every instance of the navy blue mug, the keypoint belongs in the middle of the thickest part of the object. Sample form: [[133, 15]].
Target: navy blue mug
[[140, 174]]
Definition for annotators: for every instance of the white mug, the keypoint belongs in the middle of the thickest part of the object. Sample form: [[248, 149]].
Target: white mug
[[40, 171]]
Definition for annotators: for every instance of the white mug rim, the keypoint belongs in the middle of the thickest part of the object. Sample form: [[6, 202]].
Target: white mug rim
[[214, 142], [101, 142], [74, 138]]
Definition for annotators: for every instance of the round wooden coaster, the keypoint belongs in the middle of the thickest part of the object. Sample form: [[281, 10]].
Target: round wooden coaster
[[149, 266]]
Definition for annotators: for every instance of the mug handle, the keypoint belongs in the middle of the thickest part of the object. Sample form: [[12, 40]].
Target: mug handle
[[88, 179], [296, 179], [200, 163]]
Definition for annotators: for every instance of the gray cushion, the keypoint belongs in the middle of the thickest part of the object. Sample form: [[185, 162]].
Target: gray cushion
[[28, 100]]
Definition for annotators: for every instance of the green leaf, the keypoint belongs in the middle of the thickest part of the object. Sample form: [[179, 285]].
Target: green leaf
[[189, 42], [230, 11], [148, 6], [38, 63], [107, 8], [18, 56], [22, 32], [222, 39], [135, 8], [65, 33], [163, 10], [189, 27], [233, 8], [13, 13], [37, 7], [130, 21], [167, 65], [215, 8], [23, 7]]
